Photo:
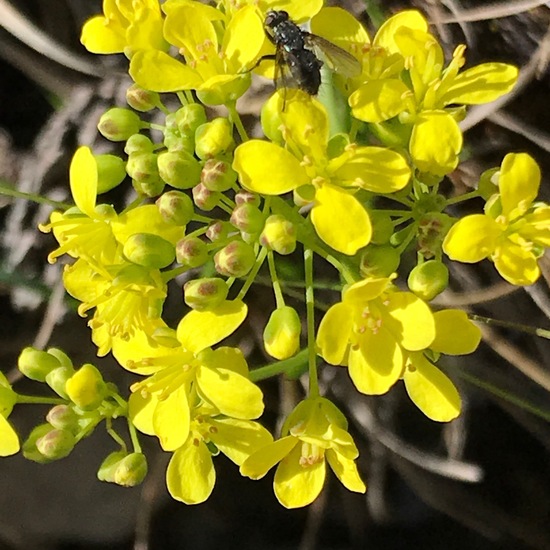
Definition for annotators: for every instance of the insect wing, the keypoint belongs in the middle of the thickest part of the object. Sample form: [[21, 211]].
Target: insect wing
[[335, 57]]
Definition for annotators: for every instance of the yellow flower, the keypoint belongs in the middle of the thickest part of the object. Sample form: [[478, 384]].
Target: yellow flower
[[514, 230], [338, 216], [9, 441], [124, 27], [190, 476], [216, 68], [371, 330], [314, 433]]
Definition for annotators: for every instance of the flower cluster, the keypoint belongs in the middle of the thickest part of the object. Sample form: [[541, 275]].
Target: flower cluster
[[353, 180]]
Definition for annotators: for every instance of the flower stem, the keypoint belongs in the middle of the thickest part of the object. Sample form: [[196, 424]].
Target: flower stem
[[36, 400], [252, 275], [292, 367], [39, 199], [236, 120], [310, 312], [279, 298]]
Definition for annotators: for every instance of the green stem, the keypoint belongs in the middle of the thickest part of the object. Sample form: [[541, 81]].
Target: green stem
[[461, 198], [236, 120], [293, 367], [527, 329], [279, 298], [39, 199], [34, 400], [252, 275], [310, 313], [134, 437], [115, 436]]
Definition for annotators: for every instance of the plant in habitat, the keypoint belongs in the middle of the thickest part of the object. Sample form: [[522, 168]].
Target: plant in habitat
[[353, 177]]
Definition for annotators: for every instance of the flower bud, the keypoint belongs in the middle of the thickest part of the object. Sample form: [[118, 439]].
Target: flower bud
[[488, 183], [118, 124], [248, 218], [127, 470], [282, 333], [179, 169], [111, 171], [149, 250], [57, 380], [86, 388], [175, 141], [36, 364], [30, 451], [382, 227], [190, 117], [235, 260], [217, 175], [213, 138], [138, 143], [204, 198], [379, 261], [206, 293], [279, 235], [191, 252], [140, 99], [56, 444], [243, 197], [63, 417], [175, 207], [108, 467], [218, 231], [149, 189], [61, 356], [428, 279], [143, 167]]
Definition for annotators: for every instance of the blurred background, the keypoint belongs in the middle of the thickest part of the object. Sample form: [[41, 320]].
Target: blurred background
[[480, 482]]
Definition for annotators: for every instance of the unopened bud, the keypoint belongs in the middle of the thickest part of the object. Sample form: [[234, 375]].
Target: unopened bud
[[63, 417], [190, 117], [204, 198], [86, 388], [57, 380], [206, 293], [428, 279], [248, 218], [36, 364], [138, 143], [127, 470], [119, 124], [149, 250], [30, 451], [61, 356], [175, 207], [179, 169], [282, 333], [56, 444], [243, 197], [382, 227], [217, 175], [235, 260], [379, 261], [111, 171], [191, 252], [218, 231], [141, 99], [143, 167], [279, 234], [213, 138]]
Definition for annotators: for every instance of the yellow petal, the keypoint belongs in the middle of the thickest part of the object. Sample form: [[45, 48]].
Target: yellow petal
[[334, 333], [516, 264], [103, 36], [83, 178], [266, 168], [472, 238], [364, 291], [346, 471], [201, 329], [190, 476], [431, 391], [340, 27], [378, 100], [261, 461], [340, 220], [377, 364], [141, 408], [9, 442], [455, 334], [243, 39], [518, 182], [296, 485], [171, 419], [385, 37]]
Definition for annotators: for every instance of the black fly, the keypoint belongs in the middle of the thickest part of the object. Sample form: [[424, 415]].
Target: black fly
[[297, 64]]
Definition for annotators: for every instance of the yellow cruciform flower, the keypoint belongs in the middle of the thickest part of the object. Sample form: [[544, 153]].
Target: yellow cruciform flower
[[217, 70], [313, 434], [371, 330], [514, 230], [124, 27], [339, 218], [9, 441]]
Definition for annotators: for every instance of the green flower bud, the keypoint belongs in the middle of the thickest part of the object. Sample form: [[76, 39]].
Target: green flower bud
[[248, 218], [213, 138], [108, 467], [191, 252], [30, 451], [379, 261], [118, 124], [206, 293], [179, 169], [36, 364], [61, 356], [382, 227], [279, 235], [150, 189], [143, 167], [432, 229], [138, 143], [488, 183], [63, 417], [190, 117], [127, 470], [111, 171], [235, 260], [175, 141], [86, 388], [149, 250], [243, 197], [204, 198], [282, 333], [175, 207], [217, 175], [140, 99], [56, 444], [428, 279], [218, 231], [57, 379]]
